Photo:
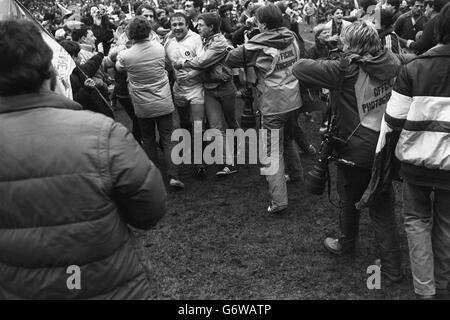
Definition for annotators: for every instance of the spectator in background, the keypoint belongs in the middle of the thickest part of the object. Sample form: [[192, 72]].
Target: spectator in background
[[85, 37], [309, 12], [290, 22], [247, 31], [394, 7], [364, 12], [248, 5], [193, 9], [335, 25], [163, 19], [321, 47], [408, 24], [404, 7], [88, 18], [389, 38], [60, 35], [418, 108], [430, 13], [323, 8], [81, 79], [103, 30], [94, 178], [227, 27], [212, 8], [148, 12], [429, 35]]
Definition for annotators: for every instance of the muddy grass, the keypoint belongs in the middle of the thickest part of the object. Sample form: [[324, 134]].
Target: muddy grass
[[216, 241]]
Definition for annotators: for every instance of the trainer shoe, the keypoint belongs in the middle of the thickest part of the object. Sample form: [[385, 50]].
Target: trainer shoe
[[277, 211], [227, 170], [324, 127], [175, 183], [333, 245]]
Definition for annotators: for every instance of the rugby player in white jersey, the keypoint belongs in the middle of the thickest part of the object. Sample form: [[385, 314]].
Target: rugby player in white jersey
[[188, 93]]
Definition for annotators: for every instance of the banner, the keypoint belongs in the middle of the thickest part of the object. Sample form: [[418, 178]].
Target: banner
[[62, 61]]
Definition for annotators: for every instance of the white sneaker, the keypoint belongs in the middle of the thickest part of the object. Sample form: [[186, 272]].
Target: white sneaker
[[227, 170], [276, 211], [323, 129], [175, 183]]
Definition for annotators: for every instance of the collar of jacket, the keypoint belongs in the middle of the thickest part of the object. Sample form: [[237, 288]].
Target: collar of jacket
[[438, 50], [211, 38], [141, 42], [278, 38], [40, 99], [87, 47]]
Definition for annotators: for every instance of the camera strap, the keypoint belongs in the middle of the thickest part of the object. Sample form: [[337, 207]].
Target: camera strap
[[245, 66], [344, 63], [343, 67]]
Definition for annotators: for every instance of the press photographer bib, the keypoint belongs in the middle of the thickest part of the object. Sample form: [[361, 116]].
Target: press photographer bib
[[372, 98]]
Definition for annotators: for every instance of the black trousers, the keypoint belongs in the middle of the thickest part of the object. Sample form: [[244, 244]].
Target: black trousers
[[351, 184]]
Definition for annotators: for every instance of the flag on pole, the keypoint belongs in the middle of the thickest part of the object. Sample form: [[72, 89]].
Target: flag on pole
[[61, 61], [65, 11]]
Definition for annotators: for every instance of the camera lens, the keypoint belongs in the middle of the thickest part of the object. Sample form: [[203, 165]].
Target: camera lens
[[316, 178]]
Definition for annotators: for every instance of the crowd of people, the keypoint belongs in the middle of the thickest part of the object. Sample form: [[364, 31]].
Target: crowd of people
[[72, 182]]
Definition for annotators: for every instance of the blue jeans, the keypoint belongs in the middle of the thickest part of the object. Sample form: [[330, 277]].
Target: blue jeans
[[164, 124], [426, 212], [220, 106]]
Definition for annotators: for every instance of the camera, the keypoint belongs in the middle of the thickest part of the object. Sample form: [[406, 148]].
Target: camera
[[316, 178]]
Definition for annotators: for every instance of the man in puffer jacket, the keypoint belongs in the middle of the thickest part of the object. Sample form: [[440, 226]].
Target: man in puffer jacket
[[70, 182]]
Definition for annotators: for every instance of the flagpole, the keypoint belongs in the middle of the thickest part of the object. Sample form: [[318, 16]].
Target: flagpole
[[76, 66]]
